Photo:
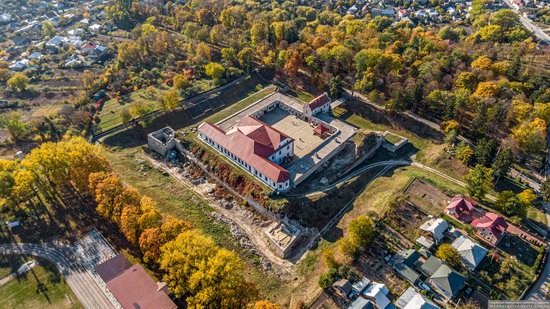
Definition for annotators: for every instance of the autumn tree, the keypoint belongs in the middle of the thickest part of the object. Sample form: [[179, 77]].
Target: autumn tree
[[208, 276], [246, 58], [18, 82], [449, 254], [170, 100], [215, 71], [13, 123], [263, 304], [479, 181], [530, 136], [464, 153], [510, 204]]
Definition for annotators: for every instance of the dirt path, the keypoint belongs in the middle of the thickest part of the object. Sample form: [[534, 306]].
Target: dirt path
[[243, 218]]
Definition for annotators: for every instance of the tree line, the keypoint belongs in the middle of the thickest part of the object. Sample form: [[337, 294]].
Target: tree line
[[196, 269]]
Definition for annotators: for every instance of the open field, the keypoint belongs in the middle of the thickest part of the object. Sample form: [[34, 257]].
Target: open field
[[42, 287], [175, 199], [426, 148], [253, 95], [110, 114]]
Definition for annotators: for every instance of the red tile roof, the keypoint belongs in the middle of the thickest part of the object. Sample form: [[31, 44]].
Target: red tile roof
[[461, 204], [319, 101], [320, 129], [253, 141], [132, 286], [496, 224]]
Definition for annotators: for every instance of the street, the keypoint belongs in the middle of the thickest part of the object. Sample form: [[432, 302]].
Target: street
[[527, 23], [77, 277]]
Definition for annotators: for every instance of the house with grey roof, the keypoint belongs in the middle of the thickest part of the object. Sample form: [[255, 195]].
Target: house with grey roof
[[411, 299], [446, 281], [430, 266], [403, 263], [361, 303], [471, 252]]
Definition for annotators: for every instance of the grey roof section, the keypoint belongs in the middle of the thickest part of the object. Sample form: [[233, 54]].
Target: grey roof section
[[431, 265], [407, 257], [411, 299], [408, 273], [447, 281], [471, 252], [359, 286], [361, 303]]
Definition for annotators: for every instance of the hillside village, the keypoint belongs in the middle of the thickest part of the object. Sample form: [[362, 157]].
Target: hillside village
[[274, 154]]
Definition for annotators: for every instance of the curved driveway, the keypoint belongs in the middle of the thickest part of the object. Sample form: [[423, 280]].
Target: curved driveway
[[80, 279]]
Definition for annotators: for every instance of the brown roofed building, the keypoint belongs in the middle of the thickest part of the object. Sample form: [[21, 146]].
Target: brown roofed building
[[132, 286]]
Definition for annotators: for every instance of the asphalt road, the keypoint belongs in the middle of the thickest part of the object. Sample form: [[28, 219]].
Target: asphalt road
[[89, 293], [527, 23]]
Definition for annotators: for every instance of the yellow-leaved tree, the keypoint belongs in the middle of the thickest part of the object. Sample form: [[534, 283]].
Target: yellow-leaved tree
[[210, 277]]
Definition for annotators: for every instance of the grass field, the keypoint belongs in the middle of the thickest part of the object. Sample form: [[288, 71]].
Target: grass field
[[375, 199], [43, 287], [252, 96], [175, 199], [427, 151], [110, 113]]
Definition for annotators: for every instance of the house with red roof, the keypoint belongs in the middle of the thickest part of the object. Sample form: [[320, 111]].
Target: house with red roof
[[490, 227], [460, 208], [255, 146], [132, 286], [320, 104]]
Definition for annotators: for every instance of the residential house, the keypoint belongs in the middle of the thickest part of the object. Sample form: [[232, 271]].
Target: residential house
[[361, 303], [20, 41], [404, 262], [343, 287], [490, 227], [446, 281], [19, 65], [435, 228], [411, 299], [443, 279], [460, 208], [35, 56], [5, 18], [378, 293], [56, 42], [472, 253], [98, 53]]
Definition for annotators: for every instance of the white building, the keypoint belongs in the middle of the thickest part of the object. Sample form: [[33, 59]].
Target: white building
[[256, 147]]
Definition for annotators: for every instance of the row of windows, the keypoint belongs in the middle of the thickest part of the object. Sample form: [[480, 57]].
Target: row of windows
[[242, 163]]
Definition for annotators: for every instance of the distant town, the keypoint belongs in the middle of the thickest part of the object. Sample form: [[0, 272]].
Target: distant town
[[274, 154]]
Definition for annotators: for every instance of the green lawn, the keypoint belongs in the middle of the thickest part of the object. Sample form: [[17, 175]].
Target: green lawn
[[43, 287], [427, 151], [110, 113], [254, 96], [301, 95]]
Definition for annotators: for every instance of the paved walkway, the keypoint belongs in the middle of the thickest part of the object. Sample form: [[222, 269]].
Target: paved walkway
[[77, 277]]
